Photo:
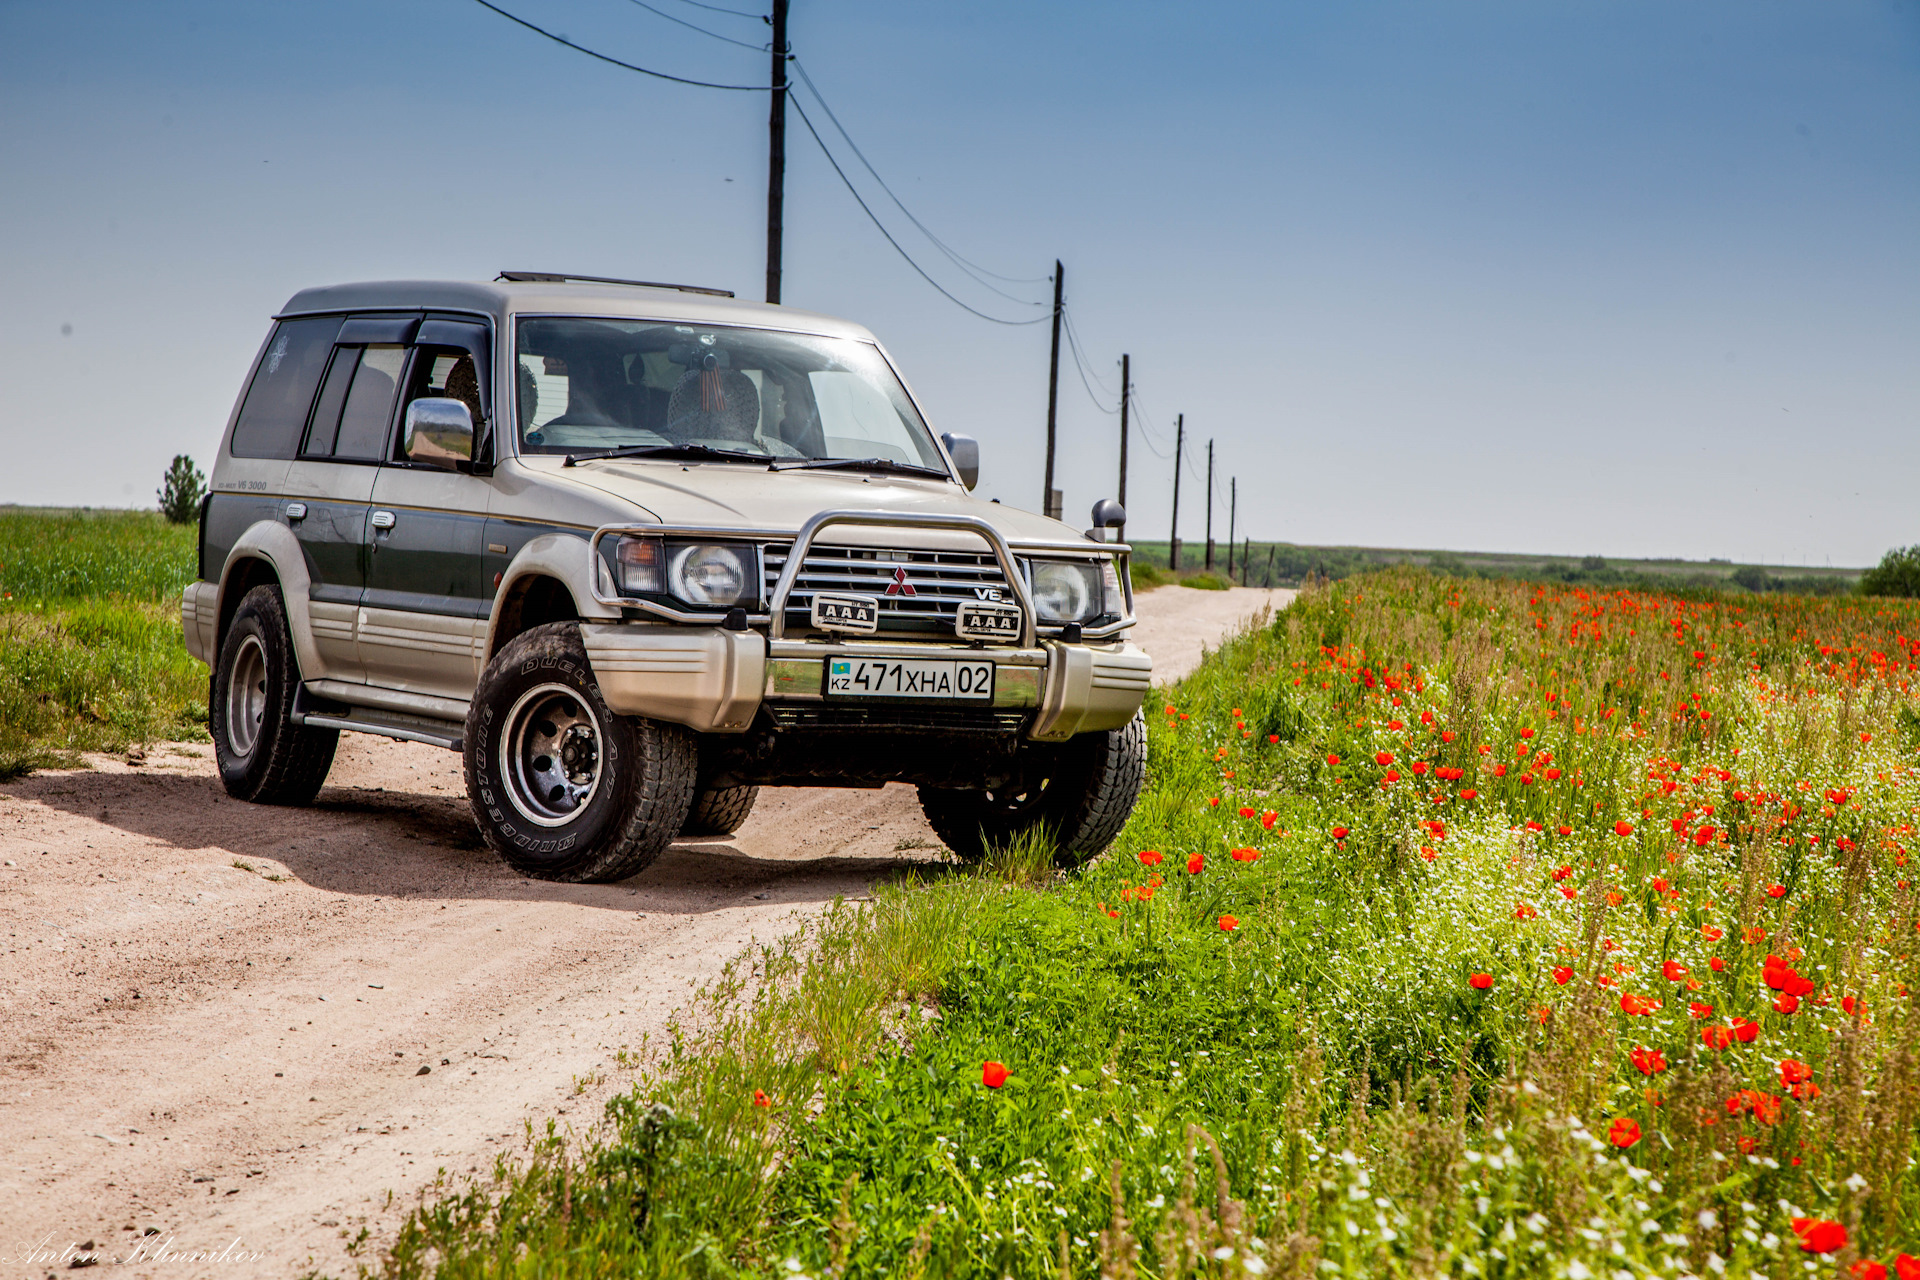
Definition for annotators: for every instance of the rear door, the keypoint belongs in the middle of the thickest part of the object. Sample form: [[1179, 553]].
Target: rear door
[[424, 615], [329, 487]]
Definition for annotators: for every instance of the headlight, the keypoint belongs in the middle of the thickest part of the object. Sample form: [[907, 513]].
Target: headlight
[[712, 574], [704, 574], [1067, 590]]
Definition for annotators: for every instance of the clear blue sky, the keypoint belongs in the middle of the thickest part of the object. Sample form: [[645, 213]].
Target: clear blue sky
[[1618, 277]]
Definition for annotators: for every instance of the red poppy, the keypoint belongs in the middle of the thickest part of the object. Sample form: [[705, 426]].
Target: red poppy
[[1786, 1004], [1651, 1062], [1383, 758], [1525, 911], [1194, 864], [1339, 833], [1907, 1267], [1717, 965], [1268, 818], [1274, 737], [1867, 1268], [1561, 873], [1794, 1072], [1847, 1005], [1776, 891], [1673, 971], [1623, 828], [1246, 855], [1229, 923], [1562, 974], [992, 1074], [760, 1098], [1564, 829], [1624, 1132], [1150, 858], [1480, 981], [1245, 812], [1333, 760], [1637, 1006], [1712, 934], [1745, 1031], [1526, 733], [1820, 1235], [1716, 1037], [1468, 794]]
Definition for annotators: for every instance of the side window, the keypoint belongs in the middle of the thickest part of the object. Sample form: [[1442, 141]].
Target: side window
[[369, 406], [446, 373], [333, 397], [276, 405]]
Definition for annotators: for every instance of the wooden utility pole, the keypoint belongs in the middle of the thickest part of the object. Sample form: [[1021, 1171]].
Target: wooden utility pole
[[1173, 538], [1233, 516], [1048, 506], [1209, 506], [1126, 387], [777, 151], [1268, 580]]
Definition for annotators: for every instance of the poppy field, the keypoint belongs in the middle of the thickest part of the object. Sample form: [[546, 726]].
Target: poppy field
[[1466, 928]]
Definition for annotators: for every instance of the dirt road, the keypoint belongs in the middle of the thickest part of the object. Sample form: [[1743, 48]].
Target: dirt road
[[232, 1031]]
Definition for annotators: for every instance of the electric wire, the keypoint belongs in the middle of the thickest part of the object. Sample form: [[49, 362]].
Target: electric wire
[[662, 13], [580, 48], [965, 264], [1073, 337], [1080, 366], [921, 271], [757, 17]]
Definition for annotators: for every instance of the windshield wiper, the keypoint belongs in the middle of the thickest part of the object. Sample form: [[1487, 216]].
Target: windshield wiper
[[666, 451], [859, 464]]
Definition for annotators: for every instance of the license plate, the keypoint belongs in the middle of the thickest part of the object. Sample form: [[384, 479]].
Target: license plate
[[859, 615], [974, 621], [959, 679]]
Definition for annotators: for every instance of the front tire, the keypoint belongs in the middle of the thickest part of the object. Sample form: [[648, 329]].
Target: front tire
[[264, 757], [1079, 794], [562, 787]]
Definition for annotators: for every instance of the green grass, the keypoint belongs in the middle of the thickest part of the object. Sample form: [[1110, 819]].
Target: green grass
[[91, 656], [1370, 1045]]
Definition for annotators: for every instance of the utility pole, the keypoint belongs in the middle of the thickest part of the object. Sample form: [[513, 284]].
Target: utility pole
[[1209, 506], [777, 151], [1268, 580], [1049, 503], [1233, 515], [1126, 388], [1173, 538]]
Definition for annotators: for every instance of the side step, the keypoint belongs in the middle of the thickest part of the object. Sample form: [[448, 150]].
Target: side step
[[324, 713]]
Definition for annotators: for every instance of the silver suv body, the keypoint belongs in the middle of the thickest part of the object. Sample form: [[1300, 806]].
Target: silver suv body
[[637, 551]]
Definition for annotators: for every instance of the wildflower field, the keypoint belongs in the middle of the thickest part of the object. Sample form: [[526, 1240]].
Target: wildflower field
[[1466, 928]]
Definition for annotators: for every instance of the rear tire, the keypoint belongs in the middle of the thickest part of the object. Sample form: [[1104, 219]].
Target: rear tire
[[1080, 794], [562, 787], [264, 757], [719, 811]]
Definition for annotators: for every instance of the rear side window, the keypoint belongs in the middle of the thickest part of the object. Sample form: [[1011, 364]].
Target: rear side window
[[350, 421], [275, 409]]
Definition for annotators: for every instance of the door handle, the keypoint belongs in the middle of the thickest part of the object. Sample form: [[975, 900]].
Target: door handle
[[383, 520], [296, 511]]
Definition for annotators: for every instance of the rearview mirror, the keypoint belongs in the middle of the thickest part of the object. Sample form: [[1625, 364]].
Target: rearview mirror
[[965, 452], [438, 432], [1108, 514]]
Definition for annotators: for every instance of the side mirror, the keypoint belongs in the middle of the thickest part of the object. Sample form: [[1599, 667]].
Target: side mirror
[[965, 452], [1108, 514], [438, 432]]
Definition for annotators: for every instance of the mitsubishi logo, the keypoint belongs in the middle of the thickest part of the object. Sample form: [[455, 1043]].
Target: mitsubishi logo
[[900, 586]]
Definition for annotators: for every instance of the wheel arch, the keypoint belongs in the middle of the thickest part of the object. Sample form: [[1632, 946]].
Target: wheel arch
[[547, 582], [268, 554]]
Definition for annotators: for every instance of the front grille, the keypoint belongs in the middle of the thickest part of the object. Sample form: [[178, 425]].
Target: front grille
[[867, 715], [941, 582]]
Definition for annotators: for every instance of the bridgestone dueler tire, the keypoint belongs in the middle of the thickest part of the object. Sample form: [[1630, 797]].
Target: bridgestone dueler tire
[[284, 762], [1081, 799], [719, 811], [643, 786]]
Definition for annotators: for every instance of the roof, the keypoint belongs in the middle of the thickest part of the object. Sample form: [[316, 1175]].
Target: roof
[[503, 298]]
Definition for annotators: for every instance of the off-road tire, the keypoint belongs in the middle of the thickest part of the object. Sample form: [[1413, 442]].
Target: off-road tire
[[719, 811], [642, 771], [251, 693], [1081, 796]]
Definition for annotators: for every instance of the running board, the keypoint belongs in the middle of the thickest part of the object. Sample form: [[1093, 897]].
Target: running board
[[388, 724]]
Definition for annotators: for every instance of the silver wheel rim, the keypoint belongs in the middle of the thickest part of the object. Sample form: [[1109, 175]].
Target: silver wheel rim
[[246, 696], [551, 755]]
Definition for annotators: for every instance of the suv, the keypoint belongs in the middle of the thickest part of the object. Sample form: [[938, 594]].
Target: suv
[[637, 551]]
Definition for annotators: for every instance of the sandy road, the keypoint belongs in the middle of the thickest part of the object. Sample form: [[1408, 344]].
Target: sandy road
[[228, 1033]]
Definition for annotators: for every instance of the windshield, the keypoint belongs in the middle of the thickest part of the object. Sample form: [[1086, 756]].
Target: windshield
[[586, 385]]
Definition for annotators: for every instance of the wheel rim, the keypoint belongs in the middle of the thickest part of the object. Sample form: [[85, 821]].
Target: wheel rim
[[550, 755], [246, 696]]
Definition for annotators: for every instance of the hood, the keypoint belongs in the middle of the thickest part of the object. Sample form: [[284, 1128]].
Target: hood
[[740, 496]]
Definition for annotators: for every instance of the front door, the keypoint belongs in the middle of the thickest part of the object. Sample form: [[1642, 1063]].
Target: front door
[[424, 616]]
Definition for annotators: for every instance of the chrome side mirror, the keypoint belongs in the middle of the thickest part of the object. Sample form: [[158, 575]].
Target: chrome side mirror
[[965, 452], [438, 432], [1108, 514]]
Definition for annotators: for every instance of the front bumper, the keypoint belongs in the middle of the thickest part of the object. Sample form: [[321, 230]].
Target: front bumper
[[715, 681]]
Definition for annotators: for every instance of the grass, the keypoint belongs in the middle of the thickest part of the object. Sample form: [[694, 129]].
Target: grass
[[91, 656], [1453, 935]]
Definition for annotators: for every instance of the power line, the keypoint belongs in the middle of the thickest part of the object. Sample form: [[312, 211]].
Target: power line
[[579, 48], [1080, 363], [757, 48], [965, 264], [757, 17], [1086, 366], [854, 191]]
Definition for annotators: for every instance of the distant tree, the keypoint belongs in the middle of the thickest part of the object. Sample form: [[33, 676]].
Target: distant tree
[[1594, 564], [181, 491], [1751, 577], [1897, 574]]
